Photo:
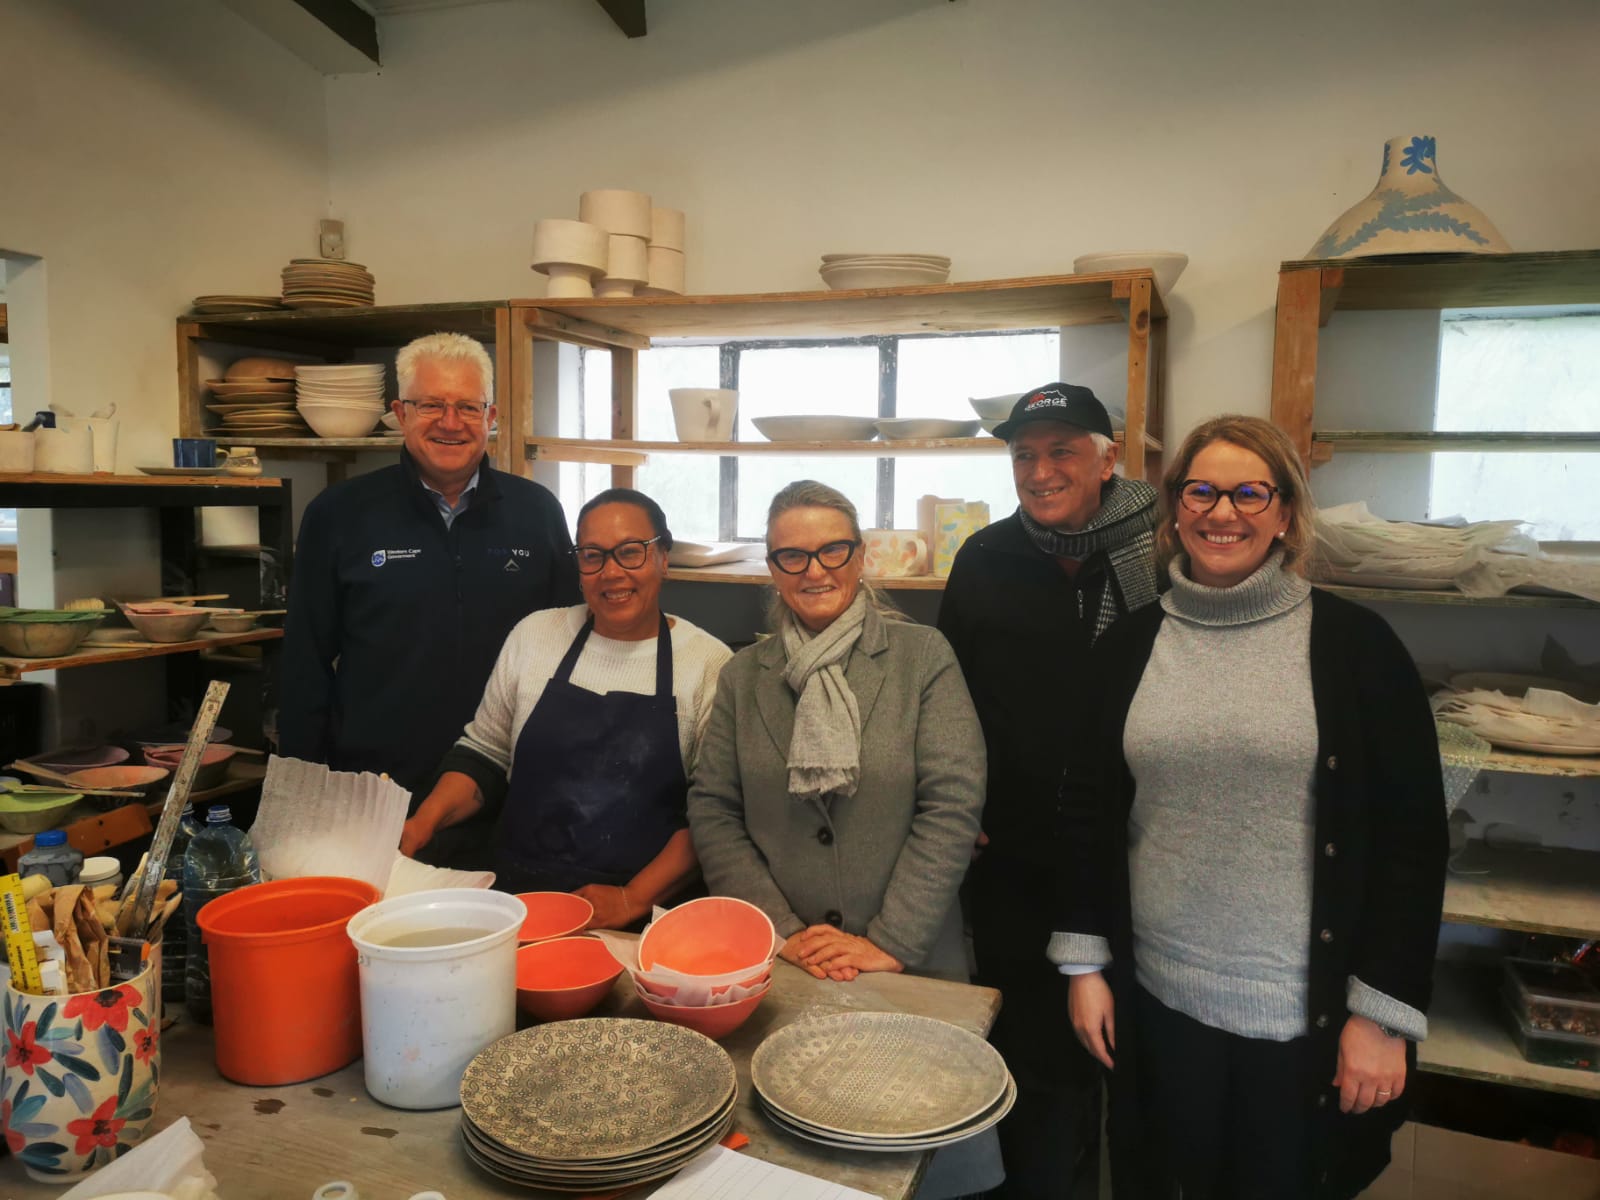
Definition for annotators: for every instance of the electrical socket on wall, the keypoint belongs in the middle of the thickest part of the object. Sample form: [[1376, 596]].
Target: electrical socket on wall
[[330, 235]]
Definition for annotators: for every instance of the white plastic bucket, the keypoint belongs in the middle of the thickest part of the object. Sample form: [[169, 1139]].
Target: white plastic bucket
[[426, 1011]]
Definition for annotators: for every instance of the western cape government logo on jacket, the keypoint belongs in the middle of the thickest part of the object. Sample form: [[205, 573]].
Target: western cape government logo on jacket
[[379, 558]]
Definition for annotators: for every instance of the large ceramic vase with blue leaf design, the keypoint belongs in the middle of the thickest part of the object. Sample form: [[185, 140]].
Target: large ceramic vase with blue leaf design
[[78, 1087], [1410, 212]]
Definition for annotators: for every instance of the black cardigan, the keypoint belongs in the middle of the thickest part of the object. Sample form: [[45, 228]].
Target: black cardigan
[[1377, 882]]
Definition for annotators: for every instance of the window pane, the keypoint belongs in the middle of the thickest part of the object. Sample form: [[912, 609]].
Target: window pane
[[1520, 374], [804, 381]]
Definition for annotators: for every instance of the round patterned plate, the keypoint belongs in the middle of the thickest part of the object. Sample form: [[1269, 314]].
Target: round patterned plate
[[585, 1176], [600, 1087], [891, 1145], [666, 1149], [878, 1074]]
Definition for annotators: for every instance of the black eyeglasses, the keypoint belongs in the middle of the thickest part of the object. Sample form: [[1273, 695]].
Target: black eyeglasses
[[470, 411], [792, 560], [630, 555], [1198, 496]]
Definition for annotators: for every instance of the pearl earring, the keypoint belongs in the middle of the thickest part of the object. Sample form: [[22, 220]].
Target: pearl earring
[[1279, 535]]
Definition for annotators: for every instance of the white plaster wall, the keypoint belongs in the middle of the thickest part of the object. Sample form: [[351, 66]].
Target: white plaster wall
[[1010, 134]]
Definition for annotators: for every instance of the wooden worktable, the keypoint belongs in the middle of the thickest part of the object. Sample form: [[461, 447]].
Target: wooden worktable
[[283, 1143]]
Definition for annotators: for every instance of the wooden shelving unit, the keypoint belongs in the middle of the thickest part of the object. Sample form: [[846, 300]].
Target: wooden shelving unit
[[1540, 890], [12, 668]]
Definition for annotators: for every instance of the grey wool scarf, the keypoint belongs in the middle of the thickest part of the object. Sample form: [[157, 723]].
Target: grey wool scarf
[[825, 748]]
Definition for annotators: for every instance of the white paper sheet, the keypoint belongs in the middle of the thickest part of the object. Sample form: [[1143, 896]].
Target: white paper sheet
[[723, 1174]]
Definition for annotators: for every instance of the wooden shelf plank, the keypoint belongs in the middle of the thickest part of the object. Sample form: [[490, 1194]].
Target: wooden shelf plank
[[1450, 597], [629, 452], [15, 668], [1031, 303], [1536, 890], [754, 571], [379, 325], [141, 481], [1463, 280], [1378, 441], [1516, 762], [1470, 1037]]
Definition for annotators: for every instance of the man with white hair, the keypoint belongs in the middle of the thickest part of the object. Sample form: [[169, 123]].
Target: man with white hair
[[408, 579], [1026, 599]]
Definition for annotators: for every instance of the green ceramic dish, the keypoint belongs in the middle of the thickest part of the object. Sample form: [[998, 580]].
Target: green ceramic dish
[[34, 812]]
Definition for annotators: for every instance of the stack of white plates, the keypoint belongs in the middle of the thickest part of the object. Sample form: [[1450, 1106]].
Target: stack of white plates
[[340, 401], [326, 283], [595, 1105], [889, 1082], [844, 271]]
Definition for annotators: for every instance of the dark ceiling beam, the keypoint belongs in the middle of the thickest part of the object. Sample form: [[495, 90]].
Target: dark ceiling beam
[[334, 36], [628, 14], [350, 22]]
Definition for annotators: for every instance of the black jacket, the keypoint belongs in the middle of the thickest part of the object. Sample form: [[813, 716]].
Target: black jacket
[[1022, 630], [1377, 880], [395, 622]]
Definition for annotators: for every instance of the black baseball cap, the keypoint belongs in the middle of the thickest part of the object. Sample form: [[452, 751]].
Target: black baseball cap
[[1064, 402]]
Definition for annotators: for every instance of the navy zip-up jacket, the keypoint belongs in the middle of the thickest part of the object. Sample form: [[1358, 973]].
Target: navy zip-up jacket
[[395, 622]]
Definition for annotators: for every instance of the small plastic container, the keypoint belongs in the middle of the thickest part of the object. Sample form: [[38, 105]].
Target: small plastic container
[[52, 857], [101, 870], [1553, 998]]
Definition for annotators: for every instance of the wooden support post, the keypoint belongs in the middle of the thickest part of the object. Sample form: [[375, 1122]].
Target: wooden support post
[[624, 407], [1294, 355], [1155, 417], [512, 390], [1138, 377], [191, 422]]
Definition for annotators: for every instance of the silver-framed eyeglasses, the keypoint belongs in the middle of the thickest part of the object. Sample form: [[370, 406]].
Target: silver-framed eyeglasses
[[470, 411], [630, 555], [1198, 496], [792, 560]]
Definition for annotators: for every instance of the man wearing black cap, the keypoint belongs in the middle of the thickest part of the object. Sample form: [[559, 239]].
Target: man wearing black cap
[[1025, 601]]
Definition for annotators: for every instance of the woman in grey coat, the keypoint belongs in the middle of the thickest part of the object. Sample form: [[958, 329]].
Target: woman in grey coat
[[841, 775]]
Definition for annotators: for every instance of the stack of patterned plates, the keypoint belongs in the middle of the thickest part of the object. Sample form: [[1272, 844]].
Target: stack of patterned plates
[[595, 1105], [255, 407], [326, 283], [234, 304], [880, 1081]]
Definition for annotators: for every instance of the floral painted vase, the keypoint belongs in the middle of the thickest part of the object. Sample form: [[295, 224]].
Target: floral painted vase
[[78, 1087], [1410, 212]]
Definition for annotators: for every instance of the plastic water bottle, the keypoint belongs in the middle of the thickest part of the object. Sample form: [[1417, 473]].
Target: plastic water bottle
[[220, 859], [52, 857], [175, 936]]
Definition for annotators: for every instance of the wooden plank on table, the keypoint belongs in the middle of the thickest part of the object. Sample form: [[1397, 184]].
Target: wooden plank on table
[[1030, 303], [12, 667], [1539, 890], [1294, 355], [1464, 280], [1469, 1036]]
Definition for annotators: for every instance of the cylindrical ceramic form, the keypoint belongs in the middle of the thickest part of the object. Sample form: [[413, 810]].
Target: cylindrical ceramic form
[[666, 270], [64, 451], [614, 289], [629, 259], [616, 210], [103, 431], [1410, 212], [16, 452], [556, 240], [568, 282], [667, 228]]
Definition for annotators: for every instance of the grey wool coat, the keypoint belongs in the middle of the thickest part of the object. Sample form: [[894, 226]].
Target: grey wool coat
[[886, 862]]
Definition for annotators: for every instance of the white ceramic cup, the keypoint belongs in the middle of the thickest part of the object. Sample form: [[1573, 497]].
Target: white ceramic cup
[[68, 451], [103, 432], [894, 553], [704, 414]]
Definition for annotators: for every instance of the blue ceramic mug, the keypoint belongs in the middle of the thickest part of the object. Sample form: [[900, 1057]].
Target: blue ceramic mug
[[195, 452]]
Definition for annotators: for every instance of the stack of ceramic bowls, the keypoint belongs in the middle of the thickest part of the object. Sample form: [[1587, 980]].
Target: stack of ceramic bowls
[[842, 272], [621, 245], [706, 964], [666, 275], [256, 398], [327, 283], [883, 1081], [342, 401], [595, 1105]]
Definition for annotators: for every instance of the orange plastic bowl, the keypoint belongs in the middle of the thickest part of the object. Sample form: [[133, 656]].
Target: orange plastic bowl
[[718, 1021], [564, 977], [715, 935], [552, 915]]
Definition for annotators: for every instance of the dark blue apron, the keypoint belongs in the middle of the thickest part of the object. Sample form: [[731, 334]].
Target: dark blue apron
[[597, 784]]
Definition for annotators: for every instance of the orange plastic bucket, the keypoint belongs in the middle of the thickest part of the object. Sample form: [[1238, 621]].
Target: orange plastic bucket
[[285, 995]]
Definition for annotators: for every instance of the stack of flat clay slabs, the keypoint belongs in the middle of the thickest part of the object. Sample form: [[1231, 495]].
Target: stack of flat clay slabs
[[880, 1081], [255, 407], [595, 1105], [327, 283]]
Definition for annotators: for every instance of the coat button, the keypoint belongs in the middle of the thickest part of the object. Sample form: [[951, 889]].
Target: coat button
[[1322, 1101], [1333, 762], [1330, 850], [833, 917], [1326, 935], [1322, 1020], [825, 836]]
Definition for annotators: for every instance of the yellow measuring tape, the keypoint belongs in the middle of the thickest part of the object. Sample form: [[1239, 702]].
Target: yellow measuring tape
[[20, 952]]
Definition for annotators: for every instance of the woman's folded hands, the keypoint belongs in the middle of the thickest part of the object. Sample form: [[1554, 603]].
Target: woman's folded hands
[[830, 953]]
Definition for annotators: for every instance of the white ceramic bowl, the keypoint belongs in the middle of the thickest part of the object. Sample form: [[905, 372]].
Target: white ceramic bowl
[[1167, 264], [995, 408], [374, 406], [847, 277], [575, 243], [936, 260], [390, 421], [616, 210], [373, 384], [899, 428], [329, 422], [816, 429], [344, 372]]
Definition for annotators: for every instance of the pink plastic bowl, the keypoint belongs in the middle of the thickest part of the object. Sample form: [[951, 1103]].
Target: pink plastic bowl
[[564, 977], [552, 915], [715, 1022], [715, 935]]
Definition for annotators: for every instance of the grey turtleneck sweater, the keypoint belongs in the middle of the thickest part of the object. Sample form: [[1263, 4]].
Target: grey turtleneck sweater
[[1221, 740]]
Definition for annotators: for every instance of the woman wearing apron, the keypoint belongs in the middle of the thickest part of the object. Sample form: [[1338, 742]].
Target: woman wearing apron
[[588, 728]]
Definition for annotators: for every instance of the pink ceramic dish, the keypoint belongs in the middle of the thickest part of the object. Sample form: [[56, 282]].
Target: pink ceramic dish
[[715, 1022], [552, 915], [715, 935], [214, 760], [65, 759], [128, 778], [564, 977]]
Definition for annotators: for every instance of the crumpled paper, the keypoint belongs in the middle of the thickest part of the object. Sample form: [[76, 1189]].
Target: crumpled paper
[[314, 821], [1541, 715], [688, 991], [171, 1164], [408, 875]]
